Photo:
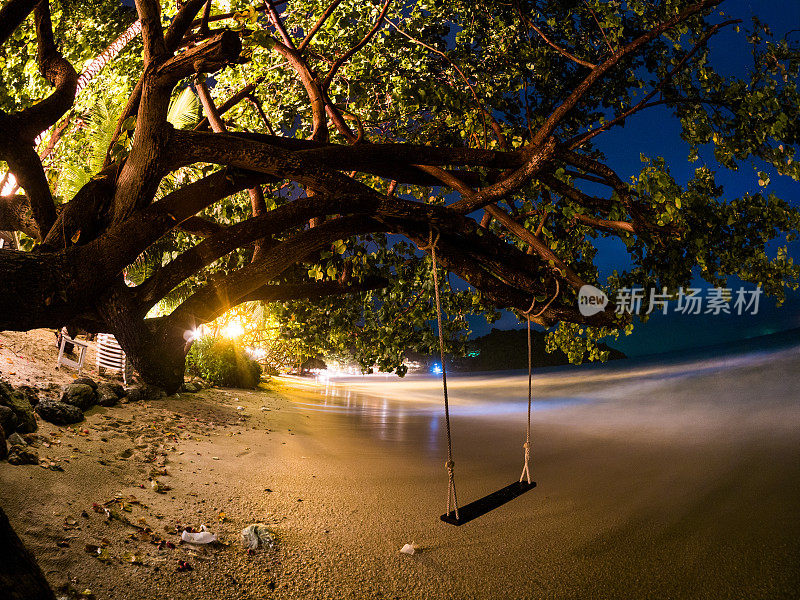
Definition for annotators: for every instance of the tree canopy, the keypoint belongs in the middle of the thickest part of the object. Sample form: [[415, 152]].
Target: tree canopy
[[295, 152]]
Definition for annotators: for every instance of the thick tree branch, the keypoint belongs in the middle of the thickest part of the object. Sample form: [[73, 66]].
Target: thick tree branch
[[215, 298], [472, 200], [16, 214], [200, 226], [235, 236], [278, 24], [237, 151], [314, 290], [26, 166], [152, 34], [606, 225], [12, 15], [312, 87], [153, 138], [538, 246]]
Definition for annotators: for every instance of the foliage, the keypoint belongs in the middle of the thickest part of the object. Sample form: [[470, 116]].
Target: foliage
[[222, 362], [461, 75]]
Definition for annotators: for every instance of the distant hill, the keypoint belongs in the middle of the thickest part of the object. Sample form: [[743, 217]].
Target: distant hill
[[508, 349]]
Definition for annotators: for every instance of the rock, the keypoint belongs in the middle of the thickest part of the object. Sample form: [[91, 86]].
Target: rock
[[59, 413], [30, 393], [134, 394], [144, 392], [26, 421], [17, 440], [8, 420], [86, 381], [21, 455], [3, 445], [107, 394], [106, 400], [81, 395], [191, 387], [115, 387], [34, 440]]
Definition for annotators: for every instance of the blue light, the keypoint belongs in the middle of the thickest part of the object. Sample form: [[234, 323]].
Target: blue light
[[436, 369]]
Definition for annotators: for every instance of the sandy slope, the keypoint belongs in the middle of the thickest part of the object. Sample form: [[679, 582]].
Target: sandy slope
[[679, 489]]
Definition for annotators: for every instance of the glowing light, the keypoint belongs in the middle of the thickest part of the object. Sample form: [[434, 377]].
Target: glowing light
[[233, 329], [256, 353], [11, 184], [191, 335], [436, 369]]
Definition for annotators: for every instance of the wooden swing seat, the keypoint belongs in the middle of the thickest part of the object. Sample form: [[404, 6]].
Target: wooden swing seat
[[480, 507]]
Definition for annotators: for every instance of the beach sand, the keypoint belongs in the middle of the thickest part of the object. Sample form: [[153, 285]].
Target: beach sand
[[663, 485]]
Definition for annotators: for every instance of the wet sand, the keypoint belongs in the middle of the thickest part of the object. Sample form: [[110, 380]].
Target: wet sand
[[656, 486]]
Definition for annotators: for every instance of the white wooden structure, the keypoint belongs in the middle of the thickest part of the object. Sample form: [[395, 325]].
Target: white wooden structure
[[112, 357], [80, 348]]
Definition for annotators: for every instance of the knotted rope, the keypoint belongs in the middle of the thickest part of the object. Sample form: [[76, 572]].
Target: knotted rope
[[526, 474], [452, 499]]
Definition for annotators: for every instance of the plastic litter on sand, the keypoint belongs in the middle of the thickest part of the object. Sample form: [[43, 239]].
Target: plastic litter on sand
[[408, 549], [204, 536], [256, 535]]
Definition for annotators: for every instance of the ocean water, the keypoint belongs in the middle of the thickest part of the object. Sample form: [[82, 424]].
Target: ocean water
[[498, 392]]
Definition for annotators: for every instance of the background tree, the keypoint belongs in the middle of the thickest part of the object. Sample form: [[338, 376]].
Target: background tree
[[336, 135]]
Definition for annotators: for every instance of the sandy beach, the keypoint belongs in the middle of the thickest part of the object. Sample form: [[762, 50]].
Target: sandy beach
[[677, 481]]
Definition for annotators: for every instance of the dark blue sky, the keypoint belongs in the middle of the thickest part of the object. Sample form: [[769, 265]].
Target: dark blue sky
[[658, 132]]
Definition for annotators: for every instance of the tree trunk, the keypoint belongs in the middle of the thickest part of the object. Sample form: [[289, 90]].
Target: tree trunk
[[20, 576], [155, 347], [35, 289]]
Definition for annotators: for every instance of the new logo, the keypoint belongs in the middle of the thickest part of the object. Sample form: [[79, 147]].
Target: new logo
[[591, 300]]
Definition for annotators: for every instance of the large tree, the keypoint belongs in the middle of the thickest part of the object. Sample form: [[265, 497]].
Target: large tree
[[330, 129]]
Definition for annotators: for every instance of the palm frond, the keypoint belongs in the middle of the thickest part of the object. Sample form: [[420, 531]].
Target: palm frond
[[183, 109], [102, 122]]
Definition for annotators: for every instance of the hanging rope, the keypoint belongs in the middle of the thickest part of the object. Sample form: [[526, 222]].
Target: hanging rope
[[452, 499], [526, 473], [527, 445]]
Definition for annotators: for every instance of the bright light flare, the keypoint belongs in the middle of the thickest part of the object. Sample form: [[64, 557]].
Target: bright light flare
[[233, 329]]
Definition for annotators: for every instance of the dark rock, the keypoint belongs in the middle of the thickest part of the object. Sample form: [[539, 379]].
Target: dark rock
[[22, 455], [86, 381], [116, 388], [134, 394], [8, 420], [107, 394], [26, 421], [191, 387], [59, 413], [17, 440], [30, 393], [33, 439], [3, 445], [144, 392], [81, 395]]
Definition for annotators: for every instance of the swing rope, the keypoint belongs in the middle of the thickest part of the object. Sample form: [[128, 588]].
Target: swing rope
[[526, 474], [452, 499]]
